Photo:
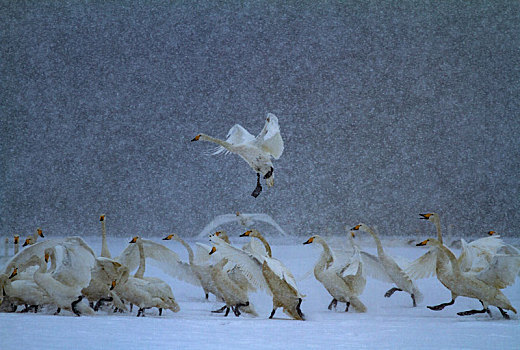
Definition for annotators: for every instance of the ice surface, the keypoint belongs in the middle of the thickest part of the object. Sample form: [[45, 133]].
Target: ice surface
[[389, 323]]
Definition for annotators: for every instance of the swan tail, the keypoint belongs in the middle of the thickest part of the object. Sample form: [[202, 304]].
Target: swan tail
[[357, 304]]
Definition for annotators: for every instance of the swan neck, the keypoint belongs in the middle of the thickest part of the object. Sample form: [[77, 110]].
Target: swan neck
[[142, 260], [220, 142], [325, 257], [266, 244], [439, 233], [105, 253], [16, 248], [188, 248], [379, 246]]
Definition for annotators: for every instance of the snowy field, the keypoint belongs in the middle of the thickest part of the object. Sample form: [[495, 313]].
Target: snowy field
[[388, 324]]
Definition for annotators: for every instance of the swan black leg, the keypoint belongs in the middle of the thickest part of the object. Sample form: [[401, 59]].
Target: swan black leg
[[269, 173], [100, 303], [258, 188], [207, 295], [221, 310], [160, 311], [299, 310], [413, 299], [140, 312], [333, 303], [504, 314], [391, 291], [272, 313], [227, 311], [472, 312], [58, 311], [441, 306], [348, 305], [73, 305]]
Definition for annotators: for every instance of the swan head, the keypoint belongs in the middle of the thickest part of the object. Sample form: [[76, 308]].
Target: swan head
[[134, 240], [430, 217], [196, 138], [213, 250], [169, 237], [16, 239], [40, 232], [310, 240], [491, 233], [429, 241], [222, 235], [113, 285], [362, 227], [28, 241], [14, 273], [102, 217], [250, 233]]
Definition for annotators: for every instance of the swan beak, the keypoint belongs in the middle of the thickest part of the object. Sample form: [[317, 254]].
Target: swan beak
[[167, 238], [27, 242], [196, 138], [491, 233], [422, 243], [16, 239], [113, 285], [134, 239], [213, 250], [425, 216], [218, 233], [352, 234], [309, 241], [102, 217], [46, 257], [15, 272], [245, 234], [40, 233], [355, 228]]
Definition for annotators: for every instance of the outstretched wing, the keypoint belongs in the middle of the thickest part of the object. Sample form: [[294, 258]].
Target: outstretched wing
[[424, 266], [215, 223], [237, 135], [270, 139], [373, 268], [160, 256], [502, 271], [267, 219]]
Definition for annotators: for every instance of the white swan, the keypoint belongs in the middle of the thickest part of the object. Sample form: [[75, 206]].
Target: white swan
[[16, 244], [266, 273], [475, 256], [64, 295], [34, 237], [243, 219], [392, 269], [345, 289], [146, 292], [256, 151], [104, 246], [199, 265], [464, 284]]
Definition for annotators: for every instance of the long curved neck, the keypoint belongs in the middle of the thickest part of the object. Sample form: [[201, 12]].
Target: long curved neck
[[16, 248], [325, 258], [105, 253], [266, 245], [142, 260], [220, 142], [188, 248], [379, 246], [53, 260], [451, 257], [438, 227]]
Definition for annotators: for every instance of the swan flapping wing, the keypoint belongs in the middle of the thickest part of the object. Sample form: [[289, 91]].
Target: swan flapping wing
[[477, 255], [202, 256], [160, 256], [423, 266], [250, 265], [267, 219], [501, 272], [281, 271], [215, 223], [270, 139], [255, 247], [237, 135], [373, 268]]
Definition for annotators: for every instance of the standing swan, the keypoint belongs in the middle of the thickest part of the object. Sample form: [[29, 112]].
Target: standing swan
[[328, 272], [256, 151], [396, 274], [16, 244], [464, 284]]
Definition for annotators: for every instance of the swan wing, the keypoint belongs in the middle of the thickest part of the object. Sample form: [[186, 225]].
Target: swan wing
[[267, 219], [501, 272], [237, 135], [255, 247], [215, 223], [202, 256], [281, 271], [26, 254], [250, 265], [477, 255], [423, 266], [270, 139], [373, 268]]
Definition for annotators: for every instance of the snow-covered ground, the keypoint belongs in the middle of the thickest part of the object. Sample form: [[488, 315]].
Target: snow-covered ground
[[389, 323]]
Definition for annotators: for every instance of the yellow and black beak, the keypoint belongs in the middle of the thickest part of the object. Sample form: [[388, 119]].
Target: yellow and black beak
[[196, 138], [355, 228], [168, 238], [40, 233], [15, 272], [134, 239], [425, 216], [309, 241], [27, 242], [491, 233], [353, 234], [102, 217], [46, 257], [16, 239], [213, 250], [245, 234], [113, 285], [422, 243]]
